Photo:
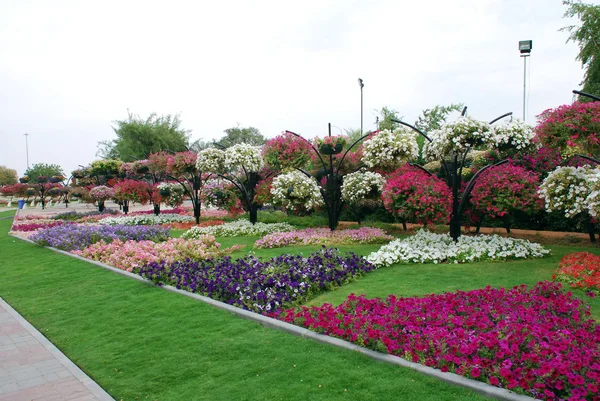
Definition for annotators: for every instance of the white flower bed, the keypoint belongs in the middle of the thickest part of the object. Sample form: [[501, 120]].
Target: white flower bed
[[294, 189], [427, 247], [390, 147], [238, 228], [357, 186], [146, 220]]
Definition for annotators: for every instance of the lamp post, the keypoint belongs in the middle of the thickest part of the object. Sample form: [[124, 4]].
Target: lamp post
[[525, 47], [362, 85], [27, 149]]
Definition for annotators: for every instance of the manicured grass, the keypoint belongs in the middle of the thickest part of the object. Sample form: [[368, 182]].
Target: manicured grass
[[140, 342]]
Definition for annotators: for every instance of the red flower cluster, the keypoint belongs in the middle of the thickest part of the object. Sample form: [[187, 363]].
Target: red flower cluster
[[35, 226], [541, 340], [133, 190], [286, 151], [417, 197], [581, 270], [506, 188]]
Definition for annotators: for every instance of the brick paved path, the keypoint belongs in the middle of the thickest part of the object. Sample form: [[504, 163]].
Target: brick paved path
[[32, 369]]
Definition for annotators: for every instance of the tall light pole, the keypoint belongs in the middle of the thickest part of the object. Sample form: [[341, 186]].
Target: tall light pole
[[27, 149], [361, 84], [525, 47]]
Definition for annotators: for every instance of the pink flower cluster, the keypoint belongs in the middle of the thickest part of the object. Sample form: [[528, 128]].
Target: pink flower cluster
[[414, 196], [324, 236], [131, 255], [33, 226], [505, 189], [541, 341], [285, 151]]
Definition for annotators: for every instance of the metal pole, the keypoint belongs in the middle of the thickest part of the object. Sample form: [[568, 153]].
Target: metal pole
[[361, 111], [27, 149], [524, 84]]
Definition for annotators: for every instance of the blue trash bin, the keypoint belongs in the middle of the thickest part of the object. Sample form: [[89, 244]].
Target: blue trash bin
[[21, 203]]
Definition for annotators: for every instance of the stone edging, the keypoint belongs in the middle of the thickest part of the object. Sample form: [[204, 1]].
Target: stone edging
[[480, 387], [90, 384]]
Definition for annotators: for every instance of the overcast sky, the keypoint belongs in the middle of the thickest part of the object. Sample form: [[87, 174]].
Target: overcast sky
[[68, 69]]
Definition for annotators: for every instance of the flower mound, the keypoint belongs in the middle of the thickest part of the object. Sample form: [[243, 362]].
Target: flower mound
[[539, 340], [324, 236], [566, 189], [69, 237], [131, 255], [238, 228], [252, 284], [456, 136], [581, 270], [427, 247], [389, 148], [359, 185], [295, 190], [146, 219]]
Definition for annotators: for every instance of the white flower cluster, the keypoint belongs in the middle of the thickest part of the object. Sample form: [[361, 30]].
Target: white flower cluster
[[572, 190], [238, 228], [176, 193], [211, 160], [515, 134], [456, 136], [294, 189], [427, 247], [146, 219], [357, 186], [388, 148], [243, 155]]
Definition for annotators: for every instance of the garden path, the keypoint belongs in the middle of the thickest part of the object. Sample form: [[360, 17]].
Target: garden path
[[33, 369]]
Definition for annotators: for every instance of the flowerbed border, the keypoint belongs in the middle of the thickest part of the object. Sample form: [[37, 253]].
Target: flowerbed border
[[452, 378]]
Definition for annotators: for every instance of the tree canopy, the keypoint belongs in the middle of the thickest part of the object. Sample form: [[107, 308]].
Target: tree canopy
[[43, 169], [587, 36], [8, 176], [434, 118], [385, 116], [137, 138], [236, 135]]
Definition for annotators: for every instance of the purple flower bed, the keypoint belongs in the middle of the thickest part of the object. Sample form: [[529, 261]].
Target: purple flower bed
[[261, 286], [69, 236]]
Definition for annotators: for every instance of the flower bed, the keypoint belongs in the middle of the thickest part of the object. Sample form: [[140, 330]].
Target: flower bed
[[238, 228], [176, 210], [131, 255], [580, 270], [324, 236], [146, 219], [69, 237], [77, 216], [26, 227], [540, 341], [188, 225], [252, 284], [427, 247]]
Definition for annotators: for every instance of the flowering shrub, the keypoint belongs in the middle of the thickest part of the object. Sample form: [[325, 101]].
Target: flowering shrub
[[542, 161], [324, 236], [512, 135], [211, 160], [252, 284], [359, 185], [286, 151], [262, 193], [539, 340], [386, 149], [145, 219], [181, 163], [238, 228], [295, 190], [412, 195], [504, 189], [571, 128], [427, 247], [244, 155], [133, 190], [75, 236], [175, 193], [101, 193], [580, 270], [566, 189], [456, 136], [131, 255]]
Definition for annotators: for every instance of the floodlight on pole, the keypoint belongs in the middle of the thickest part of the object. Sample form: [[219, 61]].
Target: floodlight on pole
[[362, 85], [525, 47]]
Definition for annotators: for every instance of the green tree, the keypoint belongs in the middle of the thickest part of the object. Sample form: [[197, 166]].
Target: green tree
[[235, 135], [434, 118], [8, 176], [199, 145], [385, 116], [138, 138], [43, 169], [587, 36]]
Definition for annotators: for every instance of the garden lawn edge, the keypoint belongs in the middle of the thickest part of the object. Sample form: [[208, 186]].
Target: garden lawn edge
[[452, 378]]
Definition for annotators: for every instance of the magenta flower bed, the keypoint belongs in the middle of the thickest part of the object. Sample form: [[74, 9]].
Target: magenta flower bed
[[35, 226], [324, 236], [539, 341]]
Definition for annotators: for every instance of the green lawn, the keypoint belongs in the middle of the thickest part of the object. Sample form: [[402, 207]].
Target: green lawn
[[143, 343]]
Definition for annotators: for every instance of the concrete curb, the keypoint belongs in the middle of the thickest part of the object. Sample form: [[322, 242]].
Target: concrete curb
[[452, 378], [90, 384]]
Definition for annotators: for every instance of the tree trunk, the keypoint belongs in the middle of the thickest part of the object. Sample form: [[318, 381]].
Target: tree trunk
[[590, 229], [125, 207], [507, 224]]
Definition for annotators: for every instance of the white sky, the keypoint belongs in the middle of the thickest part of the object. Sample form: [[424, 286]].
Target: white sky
[[70, 68]]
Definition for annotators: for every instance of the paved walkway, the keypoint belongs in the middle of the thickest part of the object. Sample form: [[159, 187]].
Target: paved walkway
[[33, 369]]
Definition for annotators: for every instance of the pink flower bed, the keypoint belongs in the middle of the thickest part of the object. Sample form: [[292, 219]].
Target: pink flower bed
[[539, 341], [34, 225], [324, 236], [131, 255]]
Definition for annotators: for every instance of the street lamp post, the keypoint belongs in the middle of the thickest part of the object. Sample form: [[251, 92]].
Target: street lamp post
[[525, 47], [27, 149], [361, 84]]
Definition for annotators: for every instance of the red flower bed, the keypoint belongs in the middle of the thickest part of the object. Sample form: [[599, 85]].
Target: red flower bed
[[581, 270], [35, 226], [540, 341]]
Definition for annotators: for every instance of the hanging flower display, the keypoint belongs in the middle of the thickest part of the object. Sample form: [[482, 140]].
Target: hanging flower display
[[512, 135], [389, 148], [101, 193], [211, 160], [295, 190], [171, 193], [566, 189], [243, 155], [455, 136], [359, 185]]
